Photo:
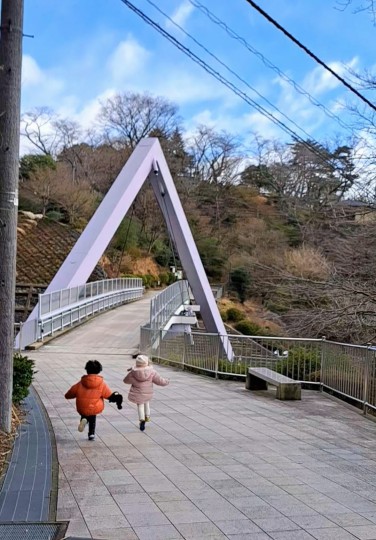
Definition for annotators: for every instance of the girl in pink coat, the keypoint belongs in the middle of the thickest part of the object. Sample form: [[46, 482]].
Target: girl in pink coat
[[141, 377]]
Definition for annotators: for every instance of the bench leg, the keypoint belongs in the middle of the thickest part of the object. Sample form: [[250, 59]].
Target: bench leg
[[289, 391], [254, 383]]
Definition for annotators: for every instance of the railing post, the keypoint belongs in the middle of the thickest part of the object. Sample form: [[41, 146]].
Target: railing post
[[217, 355], [322, 363], [366, 378], [184, 351]]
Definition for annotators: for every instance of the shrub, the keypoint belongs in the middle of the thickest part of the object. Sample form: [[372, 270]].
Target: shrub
[[223, 315], [23, 374], [248, 328], [55, 215], [234, 314], [301, 364], [240, 282]]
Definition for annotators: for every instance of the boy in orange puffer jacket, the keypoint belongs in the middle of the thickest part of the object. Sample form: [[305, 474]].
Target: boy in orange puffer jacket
[[90, 394]]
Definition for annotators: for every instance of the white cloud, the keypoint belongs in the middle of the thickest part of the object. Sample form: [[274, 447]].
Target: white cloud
[[39, 87], [128, 60], [180, 15], [319, 80]]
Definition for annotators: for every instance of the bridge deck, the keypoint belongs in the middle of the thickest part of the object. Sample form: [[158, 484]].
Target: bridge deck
[[215, 462]]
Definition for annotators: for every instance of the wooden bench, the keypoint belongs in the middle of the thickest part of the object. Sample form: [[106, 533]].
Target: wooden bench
[[259, 378]]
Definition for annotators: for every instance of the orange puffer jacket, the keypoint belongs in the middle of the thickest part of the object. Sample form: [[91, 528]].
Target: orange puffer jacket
[[89, 393]]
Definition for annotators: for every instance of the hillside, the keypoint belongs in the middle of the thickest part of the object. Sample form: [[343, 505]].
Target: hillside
[[275, 224]]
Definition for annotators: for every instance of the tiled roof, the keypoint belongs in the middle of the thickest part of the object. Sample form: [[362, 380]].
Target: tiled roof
[[42, 247]]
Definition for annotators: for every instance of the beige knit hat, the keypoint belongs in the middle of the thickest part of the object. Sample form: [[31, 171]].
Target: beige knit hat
[[142, 360]]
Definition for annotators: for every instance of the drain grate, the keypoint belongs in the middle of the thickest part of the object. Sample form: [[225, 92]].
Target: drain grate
[[33, 531]]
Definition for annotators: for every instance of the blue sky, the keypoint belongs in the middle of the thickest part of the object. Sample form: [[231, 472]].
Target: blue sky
[[84, 51]]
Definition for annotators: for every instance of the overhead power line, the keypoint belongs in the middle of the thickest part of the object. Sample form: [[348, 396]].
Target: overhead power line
[[230, 85], [267, 62], [229, 69], [311, 54]]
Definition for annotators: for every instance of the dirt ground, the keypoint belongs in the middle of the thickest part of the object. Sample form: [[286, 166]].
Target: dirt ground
[[6, 441]]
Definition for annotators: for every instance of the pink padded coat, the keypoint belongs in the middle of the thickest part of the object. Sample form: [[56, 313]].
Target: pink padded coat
[[141, 380]]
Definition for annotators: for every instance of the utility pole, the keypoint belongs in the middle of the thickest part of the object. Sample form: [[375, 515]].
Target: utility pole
[[10, 104]]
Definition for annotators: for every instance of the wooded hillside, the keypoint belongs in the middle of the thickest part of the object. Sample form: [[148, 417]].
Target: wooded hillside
[[291, 227]]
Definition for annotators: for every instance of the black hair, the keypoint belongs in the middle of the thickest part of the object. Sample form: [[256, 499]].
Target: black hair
[[93, 367]]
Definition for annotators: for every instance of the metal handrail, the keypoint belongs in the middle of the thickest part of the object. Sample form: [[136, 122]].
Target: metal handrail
[[68, 307]]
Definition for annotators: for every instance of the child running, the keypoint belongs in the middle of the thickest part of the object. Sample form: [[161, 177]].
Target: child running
[[90, 393], [141, 377]]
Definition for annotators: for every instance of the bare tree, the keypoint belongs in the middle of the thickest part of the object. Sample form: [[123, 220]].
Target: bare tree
[[128, 117], [359, 6]]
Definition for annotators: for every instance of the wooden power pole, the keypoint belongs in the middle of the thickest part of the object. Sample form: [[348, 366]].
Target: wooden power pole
[[10, 104]]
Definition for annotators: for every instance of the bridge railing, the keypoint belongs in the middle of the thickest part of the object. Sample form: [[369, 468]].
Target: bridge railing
[[61, 309], [348, 371], [164, 305]]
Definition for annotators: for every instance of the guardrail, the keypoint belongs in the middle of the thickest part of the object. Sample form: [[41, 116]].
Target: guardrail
[[61, 309], [165, 304], [349, 371]]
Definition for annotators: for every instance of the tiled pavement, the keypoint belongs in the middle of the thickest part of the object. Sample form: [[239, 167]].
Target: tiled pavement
[[216, 462]]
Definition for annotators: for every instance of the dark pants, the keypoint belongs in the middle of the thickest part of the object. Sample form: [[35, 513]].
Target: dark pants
[[91, 421]]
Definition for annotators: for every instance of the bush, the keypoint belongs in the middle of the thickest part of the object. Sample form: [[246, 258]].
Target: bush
[[240, 282], [301, 364], [248, 328], [234, 314], [23, 374], [223, 314]]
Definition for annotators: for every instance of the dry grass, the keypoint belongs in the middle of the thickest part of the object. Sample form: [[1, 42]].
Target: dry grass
[[308, 263], [7, 439]]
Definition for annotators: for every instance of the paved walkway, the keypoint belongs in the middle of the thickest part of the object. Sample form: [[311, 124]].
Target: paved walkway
[[216, 462]]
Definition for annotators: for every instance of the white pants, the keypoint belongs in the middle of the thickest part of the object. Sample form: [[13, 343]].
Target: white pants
[[143, 410]]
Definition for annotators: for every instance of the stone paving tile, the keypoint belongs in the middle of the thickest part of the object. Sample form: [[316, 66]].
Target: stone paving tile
[[199, 530], [276, 524], [294, 535], [159, 532], [250, 536], [331, 534], [238, 527], [122, 533], [363, 532]]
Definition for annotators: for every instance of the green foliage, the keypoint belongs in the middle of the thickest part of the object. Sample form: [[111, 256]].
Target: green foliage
[[249, 328], [55, 215], [223, 315], [126, 235], [162, 254], [150, 281], [212, 257], [240, 282], [301, 364], [31, 162], [234, 314], [23, 374]]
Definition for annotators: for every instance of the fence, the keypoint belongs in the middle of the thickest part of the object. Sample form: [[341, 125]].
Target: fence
[[346, 370], [165, 304], [61, 309]]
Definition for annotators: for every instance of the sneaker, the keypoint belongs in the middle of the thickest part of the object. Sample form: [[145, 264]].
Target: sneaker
[[142, 425], [91, 437], [147, 419], [82, 425]]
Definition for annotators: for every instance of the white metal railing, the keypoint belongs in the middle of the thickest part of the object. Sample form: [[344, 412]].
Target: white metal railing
[[61, 309], [347, 370], [165, 304]]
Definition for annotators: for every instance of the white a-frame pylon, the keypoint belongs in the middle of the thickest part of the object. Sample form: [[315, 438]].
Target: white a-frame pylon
[[146, 161]]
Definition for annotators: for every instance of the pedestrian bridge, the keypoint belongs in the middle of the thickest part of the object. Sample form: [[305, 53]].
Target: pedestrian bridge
[[216, 461]]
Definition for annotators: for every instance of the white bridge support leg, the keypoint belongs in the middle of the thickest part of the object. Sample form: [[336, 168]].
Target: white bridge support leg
[[146, 160]]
